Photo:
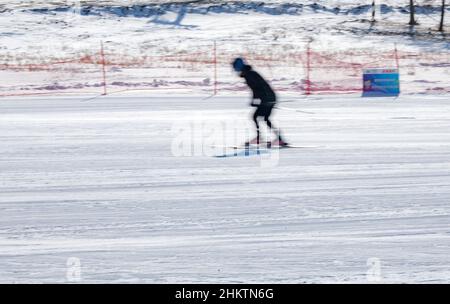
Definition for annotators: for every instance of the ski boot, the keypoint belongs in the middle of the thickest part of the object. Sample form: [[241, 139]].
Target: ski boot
[[279, 143]]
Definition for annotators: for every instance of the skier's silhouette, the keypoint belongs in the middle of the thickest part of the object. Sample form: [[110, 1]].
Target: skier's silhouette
[[263, 93]]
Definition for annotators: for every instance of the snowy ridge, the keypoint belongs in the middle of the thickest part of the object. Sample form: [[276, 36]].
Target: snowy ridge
[[273, 34], [157, 33], [152, 8]]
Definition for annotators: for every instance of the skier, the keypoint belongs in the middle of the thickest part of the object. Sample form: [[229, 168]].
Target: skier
[[264, 99]]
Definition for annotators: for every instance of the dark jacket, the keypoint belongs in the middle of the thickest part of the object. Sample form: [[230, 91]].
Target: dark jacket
[[261, 89]]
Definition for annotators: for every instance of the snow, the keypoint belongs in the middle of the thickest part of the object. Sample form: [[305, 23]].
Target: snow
[[157, 52], [98, 181], [129, 188]]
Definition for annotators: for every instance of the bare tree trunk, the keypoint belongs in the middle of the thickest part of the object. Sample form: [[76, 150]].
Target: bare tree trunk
[[373, 11], [412, 11], [441, 25]]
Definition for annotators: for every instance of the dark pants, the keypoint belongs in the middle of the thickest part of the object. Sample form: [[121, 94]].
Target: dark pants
[[264, 110]]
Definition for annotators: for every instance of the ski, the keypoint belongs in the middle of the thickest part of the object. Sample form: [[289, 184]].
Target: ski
[[256, 147], [244, 153], [295, 110]]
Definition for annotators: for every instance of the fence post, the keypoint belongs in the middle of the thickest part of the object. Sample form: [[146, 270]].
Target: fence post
[[397, 60], [373, 11], [441, 23], [103, 62], [215, 67], [308, 69]]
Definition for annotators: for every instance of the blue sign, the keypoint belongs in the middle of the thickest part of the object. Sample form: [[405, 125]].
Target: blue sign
[[381, 82]]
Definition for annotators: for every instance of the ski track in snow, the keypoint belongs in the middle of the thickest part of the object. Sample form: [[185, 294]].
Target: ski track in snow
[[97, 181]]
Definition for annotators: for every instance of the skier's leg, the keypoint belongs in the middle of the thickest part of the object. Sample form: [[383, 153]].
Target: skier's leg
[[255, 119], [271, 126], [279, 141]]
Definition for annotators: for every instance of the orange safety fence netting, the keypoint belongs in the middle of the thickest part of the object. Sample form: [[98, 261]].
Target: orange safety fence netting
[[302, 70]]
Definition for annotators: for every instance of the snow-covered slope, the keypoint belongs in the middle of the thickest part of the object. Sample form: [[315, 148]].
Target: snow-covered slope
[[98, 181], [14, 4], [274, 34]]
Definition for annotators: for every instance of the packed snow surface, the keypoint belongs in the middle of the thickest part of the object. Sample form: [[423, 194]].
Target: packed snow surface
[[99, 181]]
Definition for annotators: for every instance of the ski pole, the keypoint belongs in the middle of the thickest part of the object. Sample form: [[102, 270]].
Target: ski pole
[[294, 110]]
